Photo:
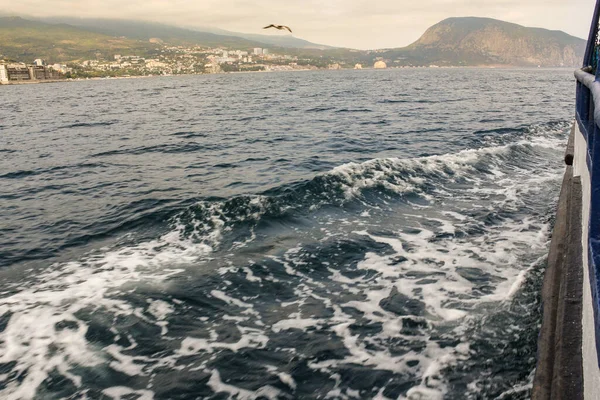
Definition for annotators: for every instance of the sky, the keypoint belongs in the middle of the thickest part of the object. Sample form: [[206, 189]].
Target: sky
[[360, 24]]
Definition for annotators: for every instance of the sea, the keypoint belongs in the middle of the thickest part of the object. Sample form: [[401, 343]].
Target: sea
[[369, 234]]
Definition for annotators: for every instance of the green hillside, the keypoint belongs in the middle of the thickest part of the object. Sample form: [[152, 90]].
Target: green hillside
[[173, 35], [24, 40], [206, 36]]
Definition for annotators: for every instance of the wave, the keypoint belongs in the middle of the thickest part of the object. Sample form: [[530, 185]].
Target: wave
[[410, 180], [65, 300], [354, 110], [417, 101], [88, 124], [412, 101], [414, 179], [149, 215], [26, 173], [501, 131], [189, 134], [320, 109], [163, 148]]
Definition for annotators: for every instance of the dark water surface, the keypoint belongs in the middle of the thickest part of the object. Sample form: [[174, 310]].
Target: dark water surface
[[354, 234]]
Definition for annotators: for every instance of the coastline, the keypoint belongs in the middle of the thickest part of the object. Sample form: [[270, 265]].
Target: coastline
[[33, 82]]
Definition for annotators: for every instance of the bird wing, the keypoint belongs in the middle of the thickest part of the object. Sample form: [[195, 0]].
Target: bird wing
[[270, 26], [288, 28]]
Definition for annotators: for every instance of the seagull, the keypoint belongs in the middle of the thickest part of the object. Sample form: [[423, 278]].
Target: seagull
[[280, 27]]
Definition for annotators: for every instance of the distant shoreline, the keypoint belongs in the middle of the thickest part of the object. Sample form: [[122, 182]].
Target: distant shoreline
[[31, 82], [34, 82]]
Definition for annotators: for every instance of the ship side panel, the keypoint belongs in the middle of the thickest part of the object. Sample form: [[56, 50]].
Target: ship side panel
[[591, 375]]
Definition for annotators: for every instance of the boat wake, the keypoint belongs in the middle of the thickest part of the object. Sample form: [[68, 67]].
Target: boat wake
[[384, 279]]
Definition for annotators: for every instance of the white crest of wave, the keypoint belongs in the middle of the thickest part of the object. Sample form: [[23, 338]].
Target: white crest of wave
[[43, 332], [402, 175]]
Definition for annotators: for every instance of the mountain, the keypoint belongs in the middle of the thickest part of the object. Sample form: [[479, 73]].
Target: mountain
[[287, 40], [486, 41], [466, 41], [185, 35], [24, 40], [142, 30], [67, 39]]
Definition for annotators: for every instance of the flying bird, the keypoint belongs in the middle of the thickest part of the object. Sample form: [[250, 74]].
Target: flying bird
[[280, 27]]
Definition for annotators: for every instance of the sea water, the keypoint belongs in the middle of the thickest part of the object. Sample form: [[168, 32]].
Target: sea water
[[328, 235]]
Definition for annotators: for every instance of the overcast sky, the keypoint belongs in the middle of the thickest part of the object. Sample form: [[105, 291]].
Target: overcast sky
[[363, 24]]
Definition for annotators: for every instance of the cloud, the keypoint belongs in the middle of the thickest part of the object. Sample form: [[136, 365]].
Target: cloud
[[349, 23]]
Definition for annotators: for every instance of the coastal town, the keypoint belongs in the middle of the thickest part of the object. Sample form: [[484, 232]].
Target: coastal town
[[168, 60]]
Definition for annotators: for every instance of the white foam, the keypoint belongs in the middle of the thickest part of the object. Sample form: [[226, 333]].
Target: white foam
[[127, 364], [56, 295], [288, 380], [250, 275], [161, 310], [433, 270], [442, 261], [297, 323], [520, 279], [455, 215], [229, 300], [510, 394], [120, 392], [218, 386], [250, 338]]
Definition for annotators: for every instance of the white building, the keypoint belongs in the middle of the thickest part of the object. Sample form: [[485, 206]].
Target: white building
[[380, 65], [265, 51], [60, 68], [223, 60], [258, 51], [212, 68], [38, 62], [3, 74], [155, 64]]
